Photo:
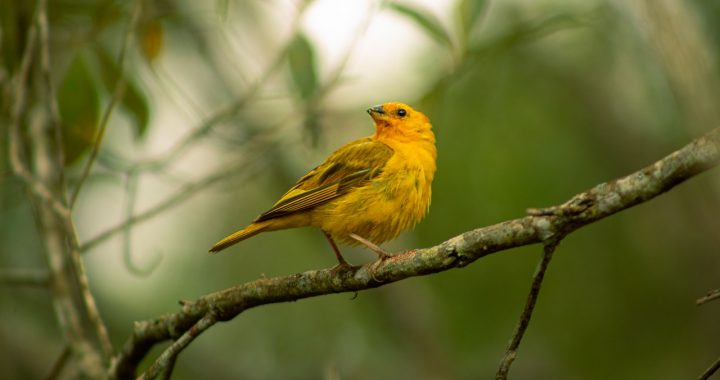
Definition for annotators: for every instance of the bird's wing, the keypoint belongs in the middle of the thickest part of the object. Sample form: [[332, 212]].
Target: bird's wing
[[348, 167]]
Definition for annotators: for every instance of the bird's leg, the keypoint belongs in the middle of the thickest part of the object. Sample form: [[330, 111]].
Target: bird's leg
[[340, 258], [382, 254]]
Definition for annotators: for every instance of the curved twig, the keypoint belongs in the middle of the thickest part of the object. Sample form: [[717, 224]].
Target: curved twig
[[224, 113], [117, 95], [597, 203], [243, 168], [131, 186]]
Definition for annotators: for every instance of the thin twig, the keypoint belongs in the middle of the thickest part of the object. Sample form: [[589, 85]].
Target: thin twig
[[52, 104], [511, 352], [91, 309], [170, 354], [249, 168], [131, 185], [712, 295], [118, 93], [15, 139], [68, 283], [25, 277], [59, 364], [710, 371], [167, 374], [160, 162], [585, 208]]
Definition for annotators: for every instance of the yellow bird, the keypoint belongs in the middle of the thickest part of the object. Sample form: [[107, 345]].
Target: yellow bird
[[366, 192]]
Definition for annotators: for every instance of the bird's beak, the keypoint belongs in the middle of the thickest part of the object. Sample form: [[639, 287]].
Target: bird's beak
[[376, 110]]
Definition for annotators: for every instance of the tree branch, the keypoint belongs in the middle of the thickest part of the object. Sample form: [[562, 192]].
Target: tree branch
[[68, 284], [712, 295], [167, 359], [597, 203], [710, 371], [511, 352], [74, 305], [25, 277], [59, 364], [15, 151], [52, 103]]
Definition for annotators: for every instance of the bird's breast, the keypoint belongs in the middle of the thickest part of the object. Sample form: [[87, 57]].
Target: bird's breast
[[388, 204]]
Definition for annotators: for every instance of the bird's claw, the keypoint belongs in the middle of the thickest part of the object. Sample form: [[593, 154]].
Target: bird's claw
[[373, 267], [383, 255], [341, 267]]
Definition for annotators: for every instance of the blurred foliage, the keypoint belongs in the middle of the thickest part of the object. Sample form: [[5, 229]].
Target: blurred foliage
[[531, 103], [302, 66], [134, 101], [427, 21], [151, 38], [79, 104]]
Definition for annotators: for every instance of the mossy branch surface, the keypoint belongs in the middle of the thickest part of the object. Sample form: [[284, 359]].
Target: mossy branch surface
[[540, 226]]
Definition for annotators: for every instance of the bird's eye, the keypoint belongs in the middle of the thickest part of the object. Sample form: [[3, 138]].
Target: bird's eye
[[401, 112]]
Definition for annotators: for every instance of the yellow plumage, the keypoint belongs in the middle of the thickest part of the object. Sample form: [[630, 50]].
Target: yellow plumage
[[374, 187]]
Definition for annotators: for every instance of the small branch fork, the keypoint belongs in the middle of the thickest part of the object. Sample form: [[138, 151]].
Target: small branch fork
[[545, 226], [167, 359]]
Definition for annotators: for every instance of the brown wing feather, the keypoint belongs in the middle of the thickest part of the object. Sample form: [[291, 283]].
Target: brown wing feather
[[348, 167]]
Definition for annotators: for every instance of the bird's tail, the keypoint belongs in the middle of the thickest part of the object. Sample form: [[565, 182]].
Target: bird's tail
[[239, 236]]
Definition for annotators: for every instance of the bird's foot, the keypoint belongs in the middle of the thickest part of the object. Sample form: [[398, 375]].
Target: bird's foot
[[342, 264], [341, 267], [372, 269], [382, 254]]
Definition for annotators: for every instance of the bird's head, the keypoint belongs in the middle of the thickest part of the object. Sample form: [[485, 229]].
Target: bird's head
[[400, 121]]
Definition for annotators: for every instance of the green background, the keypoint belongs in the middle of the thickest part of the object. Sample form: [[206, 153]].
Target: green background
[[531, 102]]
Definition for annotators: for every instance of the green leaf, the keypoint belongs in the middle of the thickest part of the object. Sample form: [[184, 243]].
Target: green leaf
[[429, 23], [79, 103], [470, 12], [134, 101], [303, 69], [136, 104]]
